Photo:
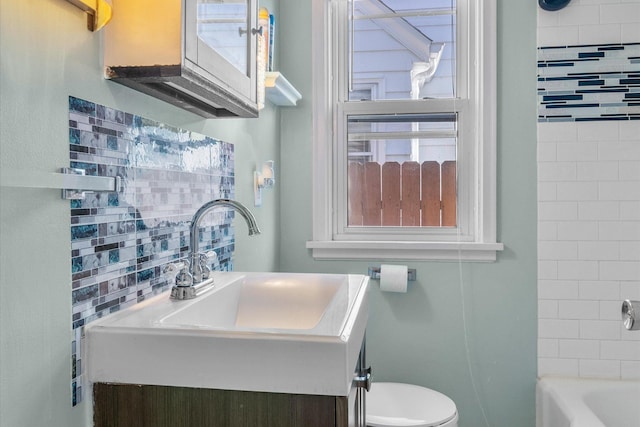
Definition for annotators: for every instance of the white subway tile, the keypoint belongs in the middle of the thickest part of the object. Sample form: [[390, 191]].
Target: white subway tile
[[557, 171], [558, 250], [579, 349], [598, 251], [547, 309], [630, 251], [620, 350], [630, 171], [579, 310], [547, 152], [629, 370], [578, 230], [558, 289], [610, 310], [599, 330], [557, 211], [578, 270], [596, 1], [629, 130], [598, 131], [627, 335], [630, 290], [579, 15], [599, 290], [588, 216], [563, 367], [620, 13], [547, 270], [599, 368], [547, 18], [547, 230], [577, 151], [619, 230], [558, 36], [620, 270], [558, 131], [630, 210], [597, 171], [547, 191], [598, 210], [578, 191], [556, 328], [630, 33], [619, 190], [547, 347], [623, 150], [600, 33]]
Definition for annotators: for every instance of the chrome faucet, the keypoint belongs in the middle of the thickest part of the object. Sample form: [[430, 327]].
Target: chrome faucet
[[197, 262]]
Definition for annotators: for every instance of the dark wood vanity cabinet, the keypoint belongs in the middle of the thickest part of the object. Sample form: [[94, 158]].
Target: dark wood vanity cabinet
[[126, 405], [129, 405]]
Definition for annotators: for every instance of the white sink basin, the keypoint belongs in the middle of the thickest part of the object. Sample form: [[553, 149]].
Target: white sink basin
[[275, 332], [270, 302]]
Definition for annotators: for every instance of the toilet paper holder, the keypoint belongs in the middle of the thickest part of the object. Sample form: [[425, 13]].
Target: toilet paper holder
[[374, 273]]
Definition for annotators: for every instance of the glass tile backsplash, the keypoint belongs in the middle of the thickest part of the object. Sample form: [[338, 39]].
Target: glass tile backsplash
[[120, 241], [589, 83]]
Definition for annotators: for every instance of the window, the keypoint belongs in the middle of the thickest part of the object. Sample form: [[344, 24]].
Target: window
[[404, 129]]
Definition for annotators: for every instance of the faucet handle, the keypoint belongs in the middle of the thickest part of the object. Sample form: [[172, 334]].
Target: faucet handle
[[178, 273], [175, 267], [210, 256], [182, 279], [206, 259]]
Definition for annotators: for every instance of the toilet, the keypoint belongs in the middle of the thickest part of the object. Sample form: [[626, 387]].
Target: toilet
[[407, 405]]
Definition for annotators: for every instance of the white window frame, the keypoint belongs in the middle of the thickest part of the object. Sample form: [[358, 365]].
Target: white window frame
[[474, 238]]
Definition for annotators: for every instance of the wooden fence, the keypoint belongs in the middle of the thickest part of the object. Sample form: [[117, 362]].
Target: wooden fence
[[407, 194]]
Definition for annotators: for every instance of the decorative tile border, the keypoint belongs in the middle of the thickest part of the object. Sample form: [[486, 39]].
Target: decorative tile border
[[589, 82], [121, 241]]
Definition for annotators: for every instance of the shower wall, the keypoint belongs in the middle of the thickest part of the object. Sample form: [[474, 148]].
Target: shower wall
[[588, 188]]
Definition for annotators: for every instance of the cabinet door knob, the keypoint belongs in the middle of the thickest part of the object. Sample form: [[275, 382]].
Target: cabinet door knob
[[254, 31], [363, 379]]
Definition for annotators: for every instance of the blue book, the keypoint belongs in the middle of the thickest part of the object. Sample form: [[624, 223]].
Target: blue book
[[272, 24]]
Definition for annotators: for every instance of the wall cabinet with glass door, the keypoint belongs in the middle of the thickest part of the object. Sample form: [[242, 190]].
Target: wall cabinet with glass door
[[199, 55]]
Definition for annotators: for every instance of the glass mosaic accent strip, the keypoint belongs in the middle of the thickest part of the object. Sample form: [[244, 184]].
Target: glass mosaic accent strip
[[121, 241], [589, 82]]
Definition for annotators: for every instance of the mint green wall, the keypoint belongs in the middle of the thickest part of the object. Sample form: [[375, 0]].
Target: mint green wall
[[419, 337], [46, 54]]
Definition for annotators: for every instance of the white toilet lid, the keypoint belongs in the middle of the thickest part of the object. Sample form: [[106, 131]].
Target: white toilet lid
[[396, 404]]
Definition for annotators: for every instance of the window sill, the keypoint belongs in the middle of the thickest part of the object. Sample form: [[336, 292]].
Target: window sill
[[432, 251]]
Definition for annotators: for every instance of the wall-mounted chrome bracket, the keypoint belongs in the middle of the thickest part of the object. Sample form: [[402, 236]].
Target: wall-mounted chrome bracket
[[374, 273], [74, 183], [363, 379]]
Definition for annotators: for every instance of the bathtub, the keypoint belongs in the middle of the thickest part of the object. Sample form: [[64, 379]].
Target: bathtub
[[581, 402]]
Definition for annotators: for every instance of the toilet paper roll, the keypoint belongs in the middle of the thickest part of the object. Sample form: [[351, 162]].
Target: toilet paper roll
[[393, 278]]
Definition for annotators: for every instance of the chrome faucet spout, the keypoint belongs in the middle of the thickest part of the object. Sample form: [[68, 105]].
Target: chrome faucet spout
[[198, 268], [207, 207]]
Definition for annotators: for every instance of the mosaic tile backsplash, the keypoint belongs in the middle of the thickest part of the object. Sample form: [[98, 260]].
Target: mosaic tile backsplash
[[589, 82], [120, 241]]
